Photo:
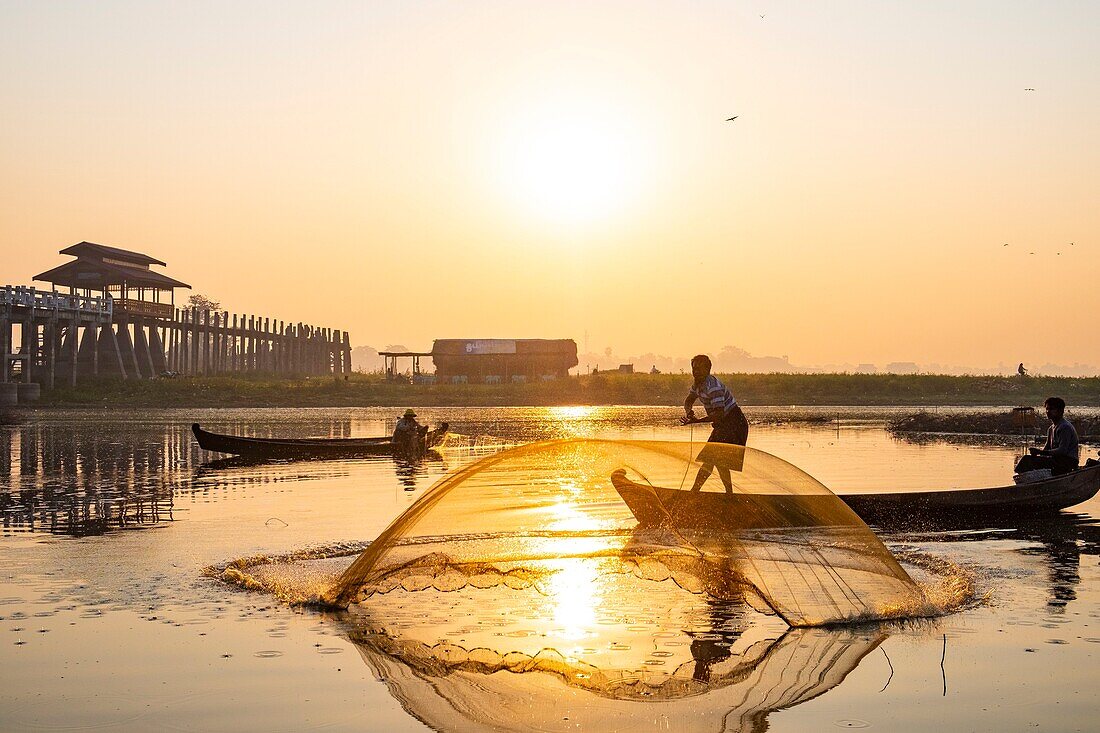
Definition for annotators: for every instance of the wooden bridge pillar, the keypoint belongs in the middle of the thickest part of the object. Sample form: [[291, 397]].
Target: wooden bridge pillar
[[142, 356], [109, 354], [157, 357], [5, 350], [72, 348], [125, 346]]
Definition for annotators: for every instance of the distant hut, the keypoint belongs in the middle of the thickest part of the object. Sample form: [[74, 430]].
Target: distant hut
[[491, 361]]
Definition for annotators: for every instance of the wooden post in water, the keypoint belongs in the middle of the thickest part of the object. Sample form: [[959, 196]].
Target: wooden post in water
[[193, 336], [267, 345], [74, 351], [233, 346], [282, 348]]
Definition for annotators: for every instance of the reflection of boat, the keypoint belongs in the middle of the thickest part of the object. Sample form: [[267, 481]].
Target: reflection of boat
[[1050, 495], [306, 447], [653, 505], [740, 692]]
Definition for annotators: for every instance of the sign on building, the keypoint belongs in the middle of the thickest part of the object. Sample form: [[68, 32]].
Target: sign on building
[[491, 346]]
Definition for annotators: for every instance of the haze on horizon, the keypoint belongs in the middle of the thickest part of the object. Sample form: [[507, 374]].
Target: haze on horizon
[[410, 171]]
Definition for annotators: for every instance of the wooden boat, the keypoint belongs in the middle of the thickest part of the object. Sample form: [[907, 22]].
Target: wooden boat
[[266, 448], [1049, 495], [656, 505], [652, 505]]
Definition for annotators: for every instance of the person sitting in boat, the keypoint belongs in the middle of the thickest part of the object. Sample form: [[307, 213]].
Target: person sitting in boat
[[407, 432], [730, 425], [1061, 453]]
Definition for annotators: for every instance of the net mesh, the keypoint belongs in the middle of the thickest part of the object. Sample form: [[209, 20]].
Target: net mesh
[[759, 531]]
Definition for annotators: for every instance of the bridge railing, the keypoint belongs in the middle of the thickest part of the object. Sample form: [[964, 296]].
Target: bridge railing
[[96, 306]]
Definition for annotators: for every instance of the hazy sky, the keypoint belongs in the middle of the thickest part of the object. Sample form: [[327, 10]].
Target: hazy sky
[[411, 171]]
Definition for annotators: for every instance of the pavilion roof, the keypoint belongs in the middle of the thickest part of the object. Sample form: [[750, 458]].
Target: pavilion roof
[[97, 275], [91, 249]]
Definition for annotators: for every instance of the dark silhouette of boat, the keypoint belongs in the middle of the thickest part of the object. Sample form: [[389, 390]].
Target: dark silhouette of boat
[[654, 505], [1049, 495], [268, 448]]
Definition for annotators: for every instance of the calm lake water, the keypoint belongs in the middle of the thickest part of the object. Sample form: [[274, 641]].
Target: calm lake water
[[107, 621]]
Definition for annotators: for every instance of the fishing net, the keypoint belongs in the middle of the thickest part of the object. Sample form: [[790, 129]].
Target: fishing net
[[561, 518]]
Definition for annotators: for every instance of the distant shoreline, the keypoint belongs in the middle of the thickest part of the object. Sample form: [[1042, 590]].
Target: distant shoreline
[[369, 390]]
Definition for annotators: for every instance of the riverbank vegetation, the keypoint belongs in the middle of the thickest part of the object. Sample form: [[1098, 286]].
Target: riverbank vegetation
[[987, 423], [363, 390]]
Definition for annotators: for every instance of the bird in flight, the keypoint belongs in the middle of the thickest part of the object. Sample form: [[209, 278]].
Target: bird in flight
[[1006, 244], [731, 119], [1029, 89], [761, 15]]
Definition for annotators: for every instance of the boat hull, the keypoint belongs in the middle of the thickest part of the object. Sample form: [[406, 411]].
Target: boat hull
[[273, 448], [1051, 495], [655, 505]]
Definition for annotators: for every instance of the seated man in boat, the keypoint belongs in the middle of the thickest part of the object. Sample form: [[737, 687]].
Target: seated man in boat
[[407, 433], [730, 424], [1061, 453]]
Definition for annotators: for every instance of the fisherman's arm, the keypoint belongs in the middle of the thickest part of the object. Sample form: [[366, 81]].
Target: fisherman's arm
[[689, 411], [1045, 450]]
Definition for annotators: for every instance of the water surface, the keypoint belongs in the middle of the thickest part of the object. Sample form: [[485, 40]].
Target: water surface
[[107, 621]]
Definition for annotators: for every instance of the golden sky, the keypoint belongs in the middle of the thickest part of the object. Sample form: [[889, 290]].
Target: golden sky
[[411, 171]]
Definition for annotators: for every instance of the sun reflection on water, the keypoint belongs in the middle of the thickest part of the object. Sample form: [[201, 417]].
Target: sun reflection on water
[[575, 590], [573, 421]]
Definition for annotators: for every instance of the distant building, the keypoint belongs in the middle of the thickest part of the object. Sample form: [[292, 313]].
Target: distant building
[[626, 368], [866, 369], [492, 361], [902, 367]]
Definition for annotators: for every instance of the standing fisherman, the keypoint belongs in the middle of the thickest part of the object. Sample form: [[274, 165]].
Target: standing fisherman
[[730, 425]]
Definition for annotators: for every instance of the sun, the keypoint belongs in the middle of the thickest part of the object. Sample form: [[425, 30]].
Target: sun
[[571, 163]]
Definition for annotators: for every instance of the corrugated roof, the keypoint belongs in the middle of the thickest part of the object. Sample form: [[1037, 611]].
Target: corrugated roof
[[102, 250]]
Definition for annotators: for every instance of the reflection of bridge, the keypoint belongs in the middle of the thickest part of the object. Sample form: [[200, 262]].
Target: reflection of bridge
[[120, 319], [87, 482]]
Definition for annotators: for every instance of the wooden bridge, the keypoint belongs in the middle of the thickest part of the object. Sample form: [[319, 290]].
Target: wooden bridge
[[113, 323]]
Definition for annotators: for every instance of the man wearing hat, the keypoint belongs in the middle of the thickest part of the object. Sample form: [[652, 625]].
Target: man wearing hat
[[406, 432]]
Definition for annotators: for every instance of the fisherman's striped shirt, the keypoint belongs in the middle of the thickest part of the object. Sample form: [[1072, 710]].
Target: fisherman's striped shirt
[[715, 398]]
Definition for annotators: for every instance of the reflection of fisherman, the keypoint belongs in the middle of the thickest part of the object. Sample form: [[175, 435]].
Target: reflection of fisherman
[[730, 424], [1061, 453], [714, 645], [406, 433]]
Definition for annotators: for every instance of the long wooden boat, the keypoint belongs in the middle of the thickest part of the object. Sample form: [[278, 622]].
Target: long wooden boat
[[654, 505], [1049, 495], [266, 448]]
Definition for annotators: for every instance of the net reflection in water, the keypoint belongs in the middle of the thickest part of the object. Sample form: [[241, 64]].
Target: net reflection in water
[[777, 539], [768, 675]]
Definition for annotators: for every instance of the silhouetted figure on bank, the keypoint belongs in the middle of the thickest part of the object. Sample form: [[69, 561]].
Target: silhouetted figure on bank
[[1061, 452], [1020, 370], [730, 425]]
